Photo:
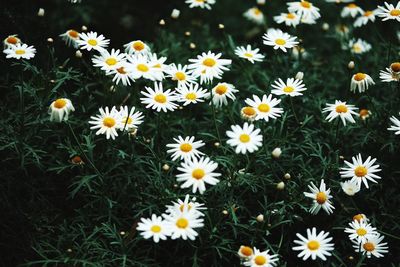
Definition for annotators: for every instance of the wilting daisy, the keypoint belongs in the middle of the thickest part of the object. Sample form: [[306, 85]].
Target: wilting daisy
[[342, 110], [244, 139], [360, 81], [108, 61], [255, 15], [19, 51], [359, 46], [364, 114], [185, 148], [159, 99], [182, 224], [368, 16], [360, 217], [315, 245], [396, 125], [245, 252], [155, 228], [179, 74], [191, 94], [221, 92], [108, 122], [351, 10], [350, 187], [391, 74], [248, 113], [321, 198], [304, 9], [187, 204], [265, 107], [91, 41], [292, 87], [11, 40], [70, 37], [389, 11], [360, 231], [251, 55], [261, 259], [373, 246], [279, 40], [290, 19], [130, 119], [200, 3], [123, 73], [142, 67], [198, 172], [60, 109], [208, 66], [137, 47], [360, 172]]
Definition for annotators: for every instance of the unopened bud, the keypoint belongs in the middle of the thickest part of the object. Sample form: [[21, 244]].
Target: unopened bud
[[84, 28], [175, 13], [217, 144], [276, 153], [280, 186], [260, 218], [78, 54], [50, 40], [325, 26], [40, 12], [165, 167], [221, 26], [261, 2], [351, 65], [225, 212], [192, 46], [162, 22], [299, 75], [187, 33], [287, 176]]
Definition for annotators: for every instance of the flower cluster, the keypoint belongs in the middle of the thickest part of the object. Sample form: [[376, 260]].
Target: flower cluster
[[14, 48]]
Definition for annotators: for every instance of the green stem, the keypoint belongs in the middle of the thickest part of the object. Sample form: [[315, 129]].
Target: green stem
[[215, 118], [294, 111]]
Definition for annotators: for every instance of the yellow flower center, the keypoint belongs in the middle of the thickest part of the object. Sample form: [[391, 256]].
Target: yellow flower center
[[305, 4], [359, 76], [288, 89], [92, 42], [260, 260], [280, 41], [352, 5], [138, 45], [74, 34], [186, 147], [127, 120], [341, 109], [246, 251], [191, 96], [209, 62], [111, 61], [321, 198], [364, 112], [248, 55], [290, 16], [160, 98], [395, 12], [182, 223], [198, 174], [357, 48], [368, 246], [395, 67], [155, 229], [360, 171], [264, 107], [249, 111], [361, 232], [313, 245], [12, 40], [19, 52], [256, 11], [121, 70], [108, 122], [368, 13], [244, 138], [142, 68], [358, 217], [60, 103], [221, 89], [180, 76]]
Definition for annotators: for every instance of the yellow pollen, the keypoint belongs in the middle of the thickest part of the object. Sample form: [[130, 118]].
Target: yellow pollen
[[395, 12], [12, 40], [305, 4], [358, 217], [19, 52], [186, 147], [138, 45], [247, 251], [92, 42], [60, 103], [288, 89], [180, 76], [182, 223], [249, 111], [368, 246], [155, 229], [111, 61], [361, 232], [395, 67], [127, 120], [248, 55], [209, 62], [313, 245], [257, 11], [121, 70], [321, 198], [368, 13], [359, 76], [352, 5], [260, 260], [74, 34], [191, 96], [360, 171], [160, 98], [341, 109], [221, 89], [198, 174], [244, 138], [108, 122], [280, 41], [264, 107], [290, 16], [142, 68]]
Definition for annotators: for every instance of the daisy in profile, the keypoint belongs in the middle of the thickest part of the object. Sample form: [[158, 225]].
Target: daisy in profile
[[180, 74], [265, 107], [364, 114], [261, 259], [108, 61], [279, 40], [200, 3], [360, 231], [123, 73], [396, 125], [290, 19], [373, 246], [248, 113], [292, 87], [360, 172], [192, 94], [391, 74], [70, 37], [314, 245], [11, 40], [245, 252], [208, 66], [248, 53], [107, 122], [244, 139], [359, 46], [321, 198], [155, 228], [130, 119], [185, 148], [360, 217], [342, 110], [159, 99], [19, 51], [255, 15], [351, 10], [158, 66], [389, 11], [368, 16], [304, 9], [350, 187], [93, 41], [59, 109], [137, 47], [141, 67], [197, 173], [360, 81], [183, 224], [221, 92], [187, 204]]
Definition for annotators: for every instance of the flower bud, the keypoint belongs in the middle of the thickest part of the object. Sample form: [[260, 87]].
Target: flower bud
[[260, 218], [351, 65], [276, 153], [299, 75], [165, 167], [78, 54], [280, 186], [287, 176], [175, 13], [40, 12]]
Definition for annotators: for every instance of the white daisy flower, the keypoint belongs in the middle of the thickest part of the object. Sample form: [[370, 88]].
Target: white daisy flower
[[179, 74], [248, 53], [369, 15], [108, 61], [91, 41], [304, 9], [159, 99], [198, 172], [360, 172], [19, 51], [157, 65], [182, 224], [142, 67], [265, 107], [108, 122], [359, 46], [373, 247], [321, 198], [130, 119], [360, 231], [192, 94], [187, 204], [314, 245], [392, 74], [123, 73], [290, 19], [245, 252], [70, 37], [60, 109], [255, 15], [185, 148], [155, 228], [137, 47], [351, 10], [279, 40], [221, 92], [11, 40], [261, 259], [208, 66], [389, 11], [360, 81], [200, 3], [396, 125], [292, 87], [342, 110], [350, 187], [248, 113], [244, 139]]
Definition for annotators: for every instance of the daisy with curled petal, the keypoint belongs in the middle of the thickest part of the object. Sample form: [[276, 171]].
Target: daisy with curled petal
[[180, 74], [19, 51], [60, 108], [137, 47], [108, 122], [350, 187], [187, 204], [373, 246], [248, 53], [360, 172], [360, 231], [255, 15], [261, 259], [221, 92], [11, 40], [159, 99], [192, 94], [70, 37], [396, 125], [359, 46], [360, 81], [351, 10], [290, 19], [142, 68], [292, 87], [321, 198], [182, 224], [315, 245], [279, 40], [200, 3], [155, 228], [197, 173], [129, 118], [93, 41], [389, 11], [342, 110], [123, 73], [304, 9], [108, 61], [244, 139], [265, 107], [185, 148], [392, 74], [368, 16], [208, 66]]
